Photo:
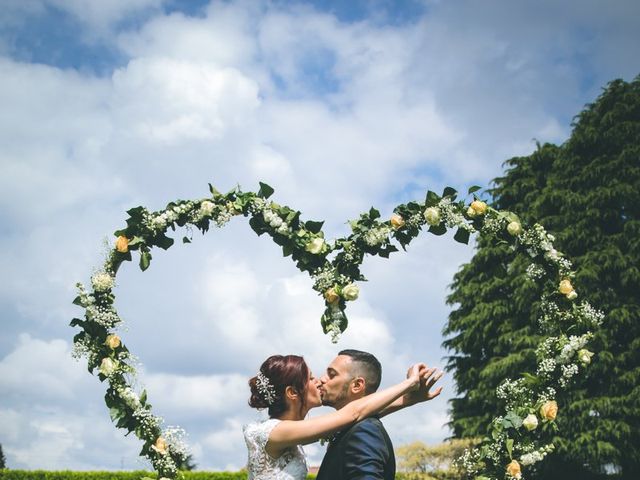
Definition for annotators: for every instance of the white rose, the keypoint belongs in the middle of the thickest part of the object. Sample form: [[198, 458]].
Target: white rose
[[471, 213], [584, 356], [206, 207], [572, 295], [108, 366], [102, 282], [530, 422], [514, 228], [276, 222], [432, 216], [350, 292], [315, 246]]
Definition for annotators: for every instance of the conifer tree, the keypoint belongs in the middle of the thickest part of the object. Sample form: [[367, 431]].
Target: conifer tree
[[587, 193], [3, 460]]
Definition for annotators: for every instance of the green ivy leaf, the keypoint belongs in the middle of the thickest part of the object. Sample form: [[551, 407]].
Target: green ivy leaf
[[510, 447], [438, 229], [432, 199], [145, 260], [373, 213], [313, 227], [462, 236], [450, 192], [186, 240], [214, 191], [474, 188], [265, 190]]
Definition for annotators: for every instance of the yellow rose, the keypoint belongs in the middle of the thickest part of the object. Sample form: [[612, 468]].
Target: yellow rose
[[549, 410], [331, 296], [397, 221], [514, 228], [432, 216], [160, 446], [513, 469], [565, 287], [350, 292], [122, 244], [112, 341], [479, 207]]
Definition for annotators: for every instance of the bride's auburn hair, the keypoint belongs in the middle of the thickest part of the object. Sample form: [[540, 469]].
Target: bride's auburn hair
[[281, 371]]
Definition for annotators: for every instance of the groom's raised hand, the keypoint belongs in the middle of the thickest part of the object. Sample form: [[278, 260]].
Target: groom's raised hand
[[428, 378]]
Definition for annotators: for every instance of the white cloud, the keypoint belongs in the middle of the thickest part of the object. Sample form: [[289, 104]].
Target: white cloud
[[170, 101]]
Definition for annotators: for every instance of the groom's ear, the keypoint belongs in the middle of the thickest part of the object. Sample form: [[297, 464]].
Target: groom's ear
[[358, 386]]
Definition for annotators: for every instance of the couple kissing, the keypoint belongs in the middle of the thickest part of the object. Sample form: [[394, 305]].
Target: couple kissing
[[360, 447]]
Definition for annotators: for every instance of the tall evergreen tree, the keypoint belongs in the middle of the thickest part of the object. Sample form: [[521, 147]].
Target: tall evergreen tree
[[3, 460], [587, 193]]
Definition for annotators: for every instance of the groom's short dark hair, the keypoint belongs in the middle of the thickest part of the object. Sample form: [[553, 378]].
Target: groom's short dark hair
[[366, 366]]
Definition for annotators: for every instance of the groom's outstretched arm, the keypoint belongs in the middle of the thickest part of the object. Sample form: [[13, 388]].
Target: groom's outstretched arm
[[366, 452]]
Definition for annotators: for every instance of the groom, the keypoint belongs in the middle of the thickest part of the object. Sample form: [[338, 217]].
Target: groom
[[363, 451]]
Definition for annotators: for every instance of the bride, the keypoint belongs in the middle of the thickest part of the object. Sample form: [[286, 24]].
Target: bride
[[287, 388]]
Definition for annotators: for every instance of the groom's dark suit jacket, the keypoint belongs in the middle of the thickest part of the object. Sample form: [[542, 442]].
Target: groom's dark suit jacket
[[363, 452]]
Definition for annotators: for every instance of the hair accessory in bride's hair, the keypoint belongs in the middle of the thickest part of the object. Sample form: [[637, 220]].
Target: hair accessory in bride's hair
[[265, 388]]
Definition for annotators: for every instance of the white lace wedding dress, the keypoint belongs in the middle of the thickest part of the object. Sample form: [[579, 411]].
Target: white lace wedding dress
[[291, 465]]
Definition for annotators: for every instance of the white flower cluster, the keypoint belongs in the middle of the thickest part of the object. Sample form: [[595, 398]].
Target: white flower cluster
[[536, 455], [257, 205], [513, 392], [537, 239], [130, 397], [326, 277], [159, 221], [333, 329], [274, 221], [568, 371], [588, 315], [547, 395], [149, 423], [86, 298], [105, 316], [175, 438], [452, 216], [377, 236], [102, 281], [165, 465], [84, 348], [572, 345], [535, 271], [469, 461], [546, 367], [416, 220]]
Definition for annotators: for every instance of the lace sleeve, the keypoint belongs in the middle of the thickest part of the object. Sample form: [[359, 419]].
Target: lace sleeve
[[257, 434]]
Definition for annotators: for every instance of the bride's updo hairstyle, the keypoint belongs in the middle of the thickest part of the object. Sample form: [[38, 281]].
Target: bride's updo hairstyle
[[276, 374]]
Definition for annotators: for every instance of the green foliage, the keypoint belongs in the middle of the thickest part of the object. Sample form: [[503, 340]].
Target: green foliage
[[3, 460], [419, 461], [587, 193]]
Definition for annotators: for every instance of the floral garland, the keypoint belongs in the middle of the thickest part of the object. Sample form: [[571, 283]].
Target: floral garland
[[516, 438]]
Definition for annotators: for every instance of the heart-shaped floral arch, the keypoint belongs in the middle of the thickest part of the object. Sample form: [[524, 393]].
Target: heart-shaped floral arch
[[517, 439]]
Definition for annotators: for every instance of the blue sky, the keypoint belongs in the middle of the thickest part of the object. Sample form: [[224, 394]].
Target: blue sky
[[340, 106]]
